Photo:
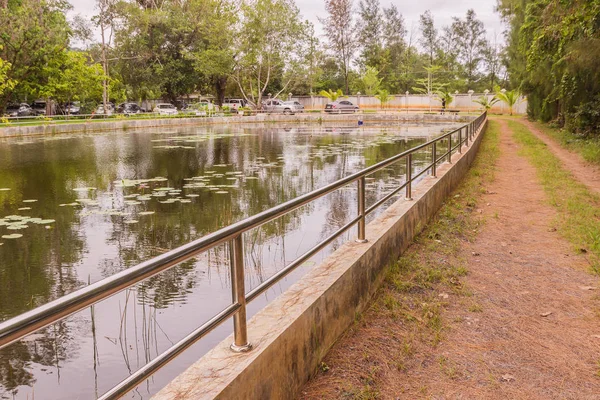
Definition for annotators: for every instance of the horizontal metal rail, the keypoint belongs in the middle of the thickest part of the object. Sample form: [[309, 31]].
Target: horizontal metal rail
[[20, 326]]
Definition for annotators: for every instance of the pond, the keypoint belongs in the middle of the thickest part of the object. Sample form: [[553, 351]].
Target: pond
[[76, 209]]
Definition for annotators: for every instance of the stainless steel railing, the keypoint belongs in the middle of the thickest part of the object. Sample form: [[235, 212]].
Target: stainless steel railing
[[18, 327]]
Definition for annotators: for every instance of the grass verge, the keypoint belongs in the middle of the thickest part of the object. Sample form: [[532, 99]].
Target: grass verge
[[406, 315], [578, 209], [589, 148]]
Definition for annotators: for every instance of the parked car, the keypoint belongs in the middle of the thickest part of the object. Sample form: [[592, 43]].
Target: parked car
[[234, 104], [71, 108], [19, 110], [100, 110], [129, 109], [181, 105], [165, 109], [340, 106], [285, 107], [39, 107]]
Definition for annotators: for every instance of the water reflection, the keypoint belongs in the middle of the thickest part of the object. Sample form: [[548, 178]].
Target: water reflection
[[120, 198]]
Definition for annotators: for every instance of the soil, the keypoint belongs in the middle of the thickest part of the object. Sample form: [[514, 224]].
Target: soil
[[586, 173], [533, 330]]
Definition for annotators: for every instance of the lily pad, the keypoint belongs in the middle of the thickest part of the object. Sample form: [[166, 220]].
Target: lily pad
[[4, 189], [44, 221], [146, 213], [131, 221], [17, 227], [221, 192], [12, 236], [24, 208], [29, 201]]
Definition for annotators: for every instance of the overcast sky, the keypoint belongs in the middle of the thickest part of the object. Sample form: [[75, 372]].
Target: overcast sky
[[442, 10]]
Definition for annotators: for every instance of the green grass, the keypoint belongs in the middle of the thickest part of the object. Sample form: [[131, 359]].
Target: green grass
[[589, 148], [578, 209], [419, 272]]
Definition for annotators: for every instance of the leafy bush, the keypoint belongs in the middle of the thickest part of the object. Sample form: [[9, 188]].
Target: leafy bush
[[585, 120]]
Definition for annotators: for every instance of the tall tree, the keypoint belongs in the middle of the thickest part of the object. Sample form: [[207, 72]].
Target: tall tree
[[553, 52], [270, 46], [429, 35], [470, 36], [370, 32], [32, 33], [340, 30]]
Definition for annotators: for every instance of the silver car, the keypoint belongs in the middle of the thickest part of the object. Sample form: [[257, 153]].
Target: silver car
[[285, 107], [340, 106]]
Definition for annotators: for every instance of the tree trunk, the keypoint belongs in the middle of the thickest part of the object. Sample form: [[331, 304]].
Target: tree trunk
[[220, 83]]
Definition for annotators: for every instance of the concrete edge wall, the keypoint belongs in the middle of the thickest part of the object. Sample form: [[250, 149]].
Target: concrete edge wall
[[125, 124], [293, 333]]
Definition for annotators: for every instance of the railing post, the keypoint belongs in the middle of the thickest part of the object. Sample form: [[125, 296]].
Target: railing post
[[238, 293], [409, 177], [450, 149], [361, 210], [467, 136], [434, 158], [460, 141]]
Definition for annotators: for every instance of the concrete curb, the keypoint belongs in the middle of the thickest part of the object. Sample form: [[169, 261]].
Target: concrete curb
[[125, 124]]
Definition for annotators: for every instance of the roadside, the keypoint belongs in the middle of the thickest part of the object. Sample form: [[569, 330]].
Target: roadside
[[490, 302]]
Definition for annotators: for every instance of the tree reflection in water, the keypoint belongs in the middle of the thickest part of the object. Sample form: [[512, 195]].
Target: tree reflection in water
[[258, 166]]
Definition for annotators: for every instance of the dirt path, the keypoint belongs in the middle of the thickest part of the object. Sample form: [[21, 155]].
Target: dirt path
[[533, 328], [585, 172]]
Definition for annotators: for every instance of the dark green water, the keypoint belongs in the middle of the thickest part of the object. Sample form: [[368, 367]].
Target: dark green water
[[76, 209]]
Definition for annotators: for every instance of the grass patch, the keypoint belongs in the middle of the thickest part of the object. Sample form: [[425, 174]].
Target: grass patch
[[589, 148], [578, 208]]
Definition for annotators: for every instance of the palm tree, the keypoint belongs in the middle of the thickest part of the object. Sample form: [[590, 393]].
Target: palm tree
[[384, 96], [486, 102], [445, 97], [510, 97], [331, 95]]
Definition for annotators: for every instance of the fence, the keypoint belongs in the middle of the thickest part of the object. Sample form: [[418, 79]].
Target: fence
[[17, 328], [402, 102]]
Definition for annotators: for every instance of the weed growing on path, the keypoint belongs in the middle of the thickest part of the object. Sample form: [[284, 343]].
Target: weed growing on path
[[578, 208]]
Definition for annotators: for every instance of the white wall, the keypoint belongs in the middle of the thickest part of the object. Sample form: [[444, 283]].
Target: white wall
[[462, 102]]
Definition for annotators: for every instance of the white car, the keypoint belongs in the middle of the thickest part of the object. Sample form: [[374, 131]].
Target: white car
[[100, 110], [165, 109]]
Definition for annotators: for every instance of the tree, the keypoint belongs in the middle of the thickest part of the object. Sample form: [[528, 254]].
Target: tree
[[5, 83], [331, 95], [33, 33], [470, 36], [486, 102], [429, 35], [371, 81], [104, 20], [370, 32], [445, 97], [72, 77], [339, 27], [491, 58], [384, 97], [510, 98], [270, 46], [394, 63]]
